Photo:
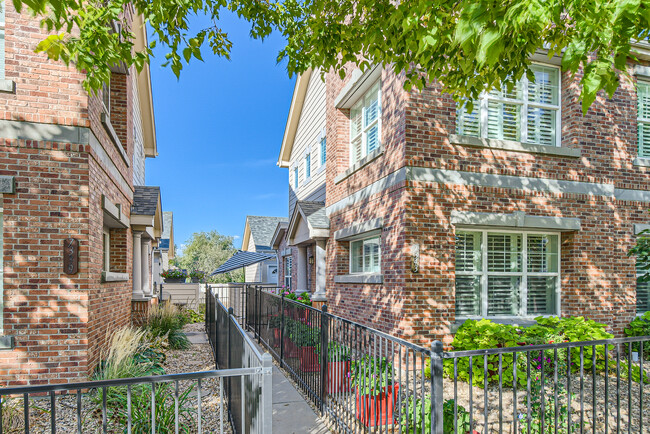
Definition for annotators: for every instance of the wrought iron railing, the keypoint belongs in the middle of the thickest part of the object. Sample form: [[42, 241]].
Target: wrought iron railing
[[365, 380]]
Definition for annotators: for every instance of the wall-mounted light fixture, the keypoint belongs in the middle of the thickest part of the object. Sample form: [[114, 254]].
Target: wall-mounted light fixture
[[311, 260]]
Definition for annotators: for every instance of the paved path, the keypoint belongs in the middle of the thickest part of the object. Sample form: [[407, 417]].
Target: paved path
[[291, 413]]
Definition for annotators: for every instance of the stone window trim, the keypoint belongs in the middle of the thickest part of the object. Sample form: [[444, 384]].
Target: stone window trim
[[360, 82], [7, 186], [365, 278], [361, 230], [372, 156], [517, 219], [510, 145], [110, 276], [105, 118], [641, 161], [519, 322], [6, 86]]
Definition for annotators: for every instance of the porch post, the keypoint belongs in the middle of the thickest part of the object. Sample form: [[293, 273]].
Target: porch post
[[302, 269], [137, 264], [146, 272], [321, 266]]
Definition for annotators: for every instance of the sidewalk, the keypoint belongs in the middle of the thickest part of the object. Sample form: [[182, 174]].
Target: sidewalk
[[291, 413]]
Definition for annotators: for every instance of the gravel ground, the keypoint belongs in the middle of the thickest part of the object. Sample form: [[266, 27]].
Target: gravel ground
[[197, 358]]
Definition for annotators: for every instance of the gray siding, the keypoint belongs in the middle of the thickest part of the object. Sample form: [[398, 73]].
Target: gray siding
[[138, 135]]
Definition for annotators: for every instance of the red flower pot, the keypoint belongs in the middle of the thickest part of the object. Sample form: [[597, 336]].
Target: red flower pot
[[308, 359], [337, 377], [377, 410], [290, 349]]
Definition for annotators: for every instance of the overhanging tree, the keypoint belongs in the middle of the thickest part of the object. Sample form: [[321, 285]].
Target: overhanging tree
[[206, 251], [467, 45]]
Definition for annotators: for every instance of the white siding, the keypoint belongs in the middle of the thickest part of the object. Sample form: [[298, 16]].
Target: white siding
[[138, 135], [308, 137]]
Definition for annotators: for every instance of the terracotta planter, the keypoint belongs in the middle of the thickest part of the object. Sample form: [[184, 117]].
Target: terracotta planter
[[290, 349], [308, 359], [338, 380], [377, 410]]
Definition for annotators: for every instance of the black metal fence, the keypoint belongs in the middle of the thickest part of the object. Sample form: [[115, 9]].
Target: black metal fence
[[249, 397], [367, 381]]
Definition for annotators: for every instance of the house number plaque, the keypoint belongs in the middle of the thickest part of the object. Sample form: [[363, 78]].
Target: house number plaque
[[70, 256]]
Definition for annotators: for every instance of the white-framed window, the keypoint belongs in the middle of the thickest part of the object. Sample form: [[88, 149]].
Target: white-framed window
[[308, 166], [295, 178], [2, 41], [287, 271], [365, 255], [323, 151], [530, 112], [642, 288], [365, 124], [507, 274], [106, 250], [643, 117]]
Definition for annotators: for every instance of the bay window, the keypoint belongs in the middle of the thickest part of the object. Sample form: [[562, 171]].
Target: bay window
[[506, 274], [365, 256], [365, 124], [529, 112]]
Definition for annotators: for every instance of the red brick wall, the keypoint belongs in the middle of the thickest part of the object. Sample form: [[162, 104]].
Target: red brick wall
[[598, 279]]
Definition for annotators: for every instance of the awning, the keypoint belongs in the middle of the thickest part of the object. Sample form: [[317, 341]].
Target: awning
[[242, 259]]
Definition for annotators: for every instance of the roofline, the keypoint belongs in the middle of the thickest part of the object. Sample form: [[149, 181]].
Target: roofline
[[276, 238], [143, 82], [247, 236], [297, 102]]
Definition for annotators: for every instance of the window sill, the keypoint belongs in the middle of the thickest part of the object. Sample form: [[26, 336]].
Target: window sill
[[521, 322], [508, 145], [109, 276], [371, 278], [642, 161], [7, 86], [106, 122], [359, 164], [7, 342]]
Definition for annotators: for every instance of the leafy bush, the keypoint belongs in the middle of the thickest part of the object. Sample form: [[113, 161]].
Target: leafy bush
[[196, 274], [166, 320], [370, 375], [304, 335], [174, 274], [335, 352], [191, 316], [484, 334], [640, 327], [410, 425], [303, 297]]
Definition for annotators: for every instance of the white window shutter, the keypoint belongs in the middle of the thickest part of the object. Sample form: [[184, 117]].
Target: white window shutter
[[467, 122], [643, 116]]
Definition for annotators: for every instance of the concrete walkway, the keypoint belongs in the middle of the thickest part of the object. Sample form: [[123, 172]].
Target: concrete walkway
[[291, 413]]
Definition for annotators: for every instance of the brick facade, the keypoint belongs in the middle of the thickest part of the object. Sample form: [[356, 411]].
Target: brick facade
[[597, 277], [61, 323]]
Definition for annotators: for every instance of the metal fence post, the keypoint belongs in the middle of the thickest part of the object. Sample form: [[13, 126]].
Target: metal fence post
[[258, 315], [324, 344], [267, 393], [436, 388], [282, 329]]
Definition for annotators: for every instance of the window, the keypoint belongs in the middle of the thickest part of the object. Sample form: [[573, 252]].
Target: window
[[106, 250], [365, 256], [287, 271], [308, 166], [365, 125], [106, 97], [2, 41], [642, 288], [529, 113], [323, 151], [643, 117], [504, 274], [295, 178]]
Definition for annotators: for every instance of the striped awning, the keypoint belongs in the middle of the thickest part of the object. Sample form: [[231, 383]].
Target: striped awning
[[242, 259]]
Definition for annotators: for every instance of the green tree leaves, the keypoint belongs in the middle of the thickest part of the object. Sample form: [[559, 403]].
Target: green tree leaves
[[206, 251], [469, 46]]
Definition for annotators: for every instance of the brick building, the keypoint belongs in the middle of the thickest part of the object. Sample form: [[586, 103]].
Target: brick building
[[72, 168], [523, 207]]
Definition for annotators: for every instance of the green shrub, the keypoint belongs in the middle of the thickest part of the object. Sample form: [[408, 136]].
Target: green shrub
[[409, 424], [304, 335], [640, 326], [166, 320]]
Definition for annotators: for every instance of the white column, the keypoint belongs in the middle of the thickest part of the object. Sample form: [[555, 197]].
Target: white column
[[146, 272], [321, 264], [137, 265], [301, 269]]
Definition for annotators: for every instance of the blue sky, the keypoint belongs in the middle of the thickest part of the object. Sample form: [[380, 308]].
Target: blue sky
[[219, 131]]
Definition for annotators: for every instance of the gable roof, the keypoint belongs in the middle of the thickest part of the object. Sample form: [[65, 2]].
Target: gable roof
[[260, 229], [297, 102], [312, 214], [145, 200]]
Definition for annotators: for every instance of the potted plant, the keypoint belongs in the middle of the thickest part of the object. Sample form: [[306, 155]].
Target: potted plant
[[197, 276], [290, 348], [338, 367], [306, 339], [275, 321], [174, 276], [372, 379]]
